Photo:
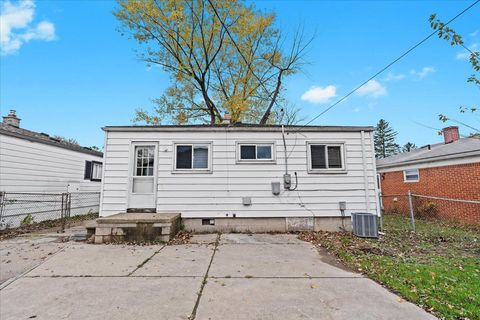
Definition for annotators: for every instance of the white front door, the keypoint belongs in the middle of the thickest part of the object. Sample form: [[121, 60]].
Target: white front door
[[143, 176]]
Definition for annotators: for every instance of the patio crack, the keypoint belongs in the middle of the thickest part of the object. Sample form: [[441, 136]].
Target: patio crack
[[145, 261], [204, 282]]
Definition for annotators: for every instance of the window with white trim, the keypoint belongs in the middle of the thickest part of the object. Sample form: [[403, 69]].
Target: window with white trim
[[325, 157], [93, 171], [411, 175], [192, 157], [248, 152]]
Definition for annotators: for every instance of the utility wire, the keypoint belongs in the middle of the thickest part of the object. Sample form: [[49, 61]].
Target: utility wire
[[386, 67]]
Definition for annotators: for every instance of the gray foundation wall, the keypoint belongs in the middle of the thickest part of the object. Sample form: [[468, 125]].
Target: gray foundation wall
[[259, 225]]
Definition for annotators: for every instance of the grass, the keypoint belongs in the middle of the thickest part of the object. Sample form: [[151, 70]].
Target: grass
[[45, 225], [438, 267]]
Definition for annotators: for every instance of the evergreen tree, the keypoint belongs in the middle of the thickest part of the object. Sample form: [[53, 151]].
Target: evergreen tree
[[384, 139], [409, 146]]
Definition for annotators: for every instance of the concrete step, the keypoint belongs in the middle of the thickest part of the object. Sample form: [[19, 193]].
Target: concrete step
[[137, 227]]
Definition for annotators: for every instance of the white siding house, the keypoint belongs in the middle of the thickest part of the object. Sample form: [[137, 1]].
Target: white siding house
[[32, 162], [220, 177]]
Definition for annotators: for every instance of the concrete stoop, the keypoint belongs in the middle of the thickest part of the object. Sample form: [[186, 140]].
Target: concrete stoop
[[135, 226]]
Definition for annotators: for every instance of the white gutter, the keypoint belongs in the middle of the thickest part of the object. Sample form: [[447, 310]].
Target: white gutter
[[377, 194]]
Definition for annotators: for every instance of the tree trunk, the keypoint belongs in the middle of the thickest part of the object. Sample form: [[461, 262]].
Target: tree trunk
[[266, 115]]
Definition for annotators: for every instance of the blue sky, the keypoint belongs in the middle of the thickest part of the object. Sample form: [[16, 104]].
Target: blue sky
[[67, 71]]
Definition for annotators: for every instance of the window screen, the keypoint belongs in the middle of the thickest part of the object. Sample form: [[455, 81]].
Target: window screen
[[264, 152], [334, 157], [317, 153], [200, 157]]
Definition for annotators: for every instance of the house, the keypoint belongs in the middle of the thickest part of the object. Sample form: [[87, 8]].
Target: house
[[241, 177], [36, 163], [449, 170]]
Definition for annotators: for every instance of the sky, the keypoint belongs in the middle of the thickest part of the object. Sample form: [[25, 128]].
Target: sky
[[66, 69]]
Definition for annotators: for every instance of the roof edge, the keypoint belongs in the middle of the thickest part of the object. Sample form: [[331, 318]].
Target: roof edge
[[63, 146], [222, 128], [468, 154]]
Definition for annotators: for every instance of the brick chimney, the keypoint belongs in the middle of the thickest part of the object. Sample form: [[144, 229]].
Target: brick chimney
[[227, 119], [12, 119], [450, 134]]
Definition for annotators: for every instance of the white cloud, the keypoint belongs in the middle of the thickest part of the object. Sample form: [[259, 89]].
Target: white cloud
[[319, 94], [372, 88], [475, 33], [356, 109], [394, 77], [422, 73], [463, 55], [16, 26]]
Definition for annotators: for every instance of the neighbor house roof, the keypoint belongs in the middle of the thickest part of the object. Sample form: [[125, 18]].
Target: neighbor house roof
[[462, 148], [13, 131], [236, 127]]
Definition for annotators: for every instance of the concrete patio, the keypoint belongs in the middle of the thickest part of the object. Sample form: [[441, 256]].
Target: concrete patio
[[247, 277]]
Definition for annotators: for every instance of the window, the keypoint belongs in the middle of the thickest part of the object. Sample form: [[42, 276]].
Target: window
[[249, 152], [411, 175], [144, 161], [325, 157], [96, 171], [93, 171], [192, 157]]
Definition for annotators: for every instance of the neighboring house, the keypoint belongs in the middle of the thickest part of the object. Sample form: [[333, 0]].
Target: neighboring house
[[447, 170], [231, 177], [32, 162]]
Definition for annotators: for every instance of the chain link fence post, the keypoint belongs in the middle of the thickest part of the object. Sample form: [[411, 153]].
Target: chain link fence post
[[2, 205], [410, 205]]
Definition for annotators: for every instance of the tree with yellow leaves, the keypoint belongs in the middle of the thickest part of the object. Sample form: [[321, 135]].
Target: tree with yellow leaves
[[222, 56]]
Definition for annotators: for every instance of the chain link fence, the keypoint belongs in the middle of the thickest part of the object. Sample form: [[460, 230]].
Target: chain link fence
[[55, 209], [440, 210]]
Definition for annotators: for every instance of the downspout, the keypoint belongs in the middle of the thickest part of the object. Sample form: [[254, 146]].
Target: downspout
[[365, 172], [104, 166], [377, 191]]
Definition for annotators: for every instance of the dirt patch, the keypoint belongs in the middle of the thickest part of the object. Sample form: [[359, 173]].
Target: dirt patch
[[48, 226]]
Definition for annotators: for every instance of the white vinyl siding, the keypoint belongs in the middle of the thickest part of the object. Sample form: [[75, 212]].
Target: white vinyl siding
[[200, 195], [27, 166]]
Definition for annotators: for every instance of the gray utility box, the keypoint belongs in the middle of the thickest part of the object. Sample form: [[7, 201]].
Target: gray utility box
[[365, 225]]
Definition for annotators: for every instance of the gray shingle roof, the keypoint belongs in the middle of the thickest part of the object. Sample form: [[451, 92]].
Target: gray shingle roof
[[21, 133], [465, 147]]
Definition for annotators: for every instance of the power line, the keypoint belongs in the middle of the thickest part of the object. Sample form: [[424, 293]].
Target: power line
[[386, 67]]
